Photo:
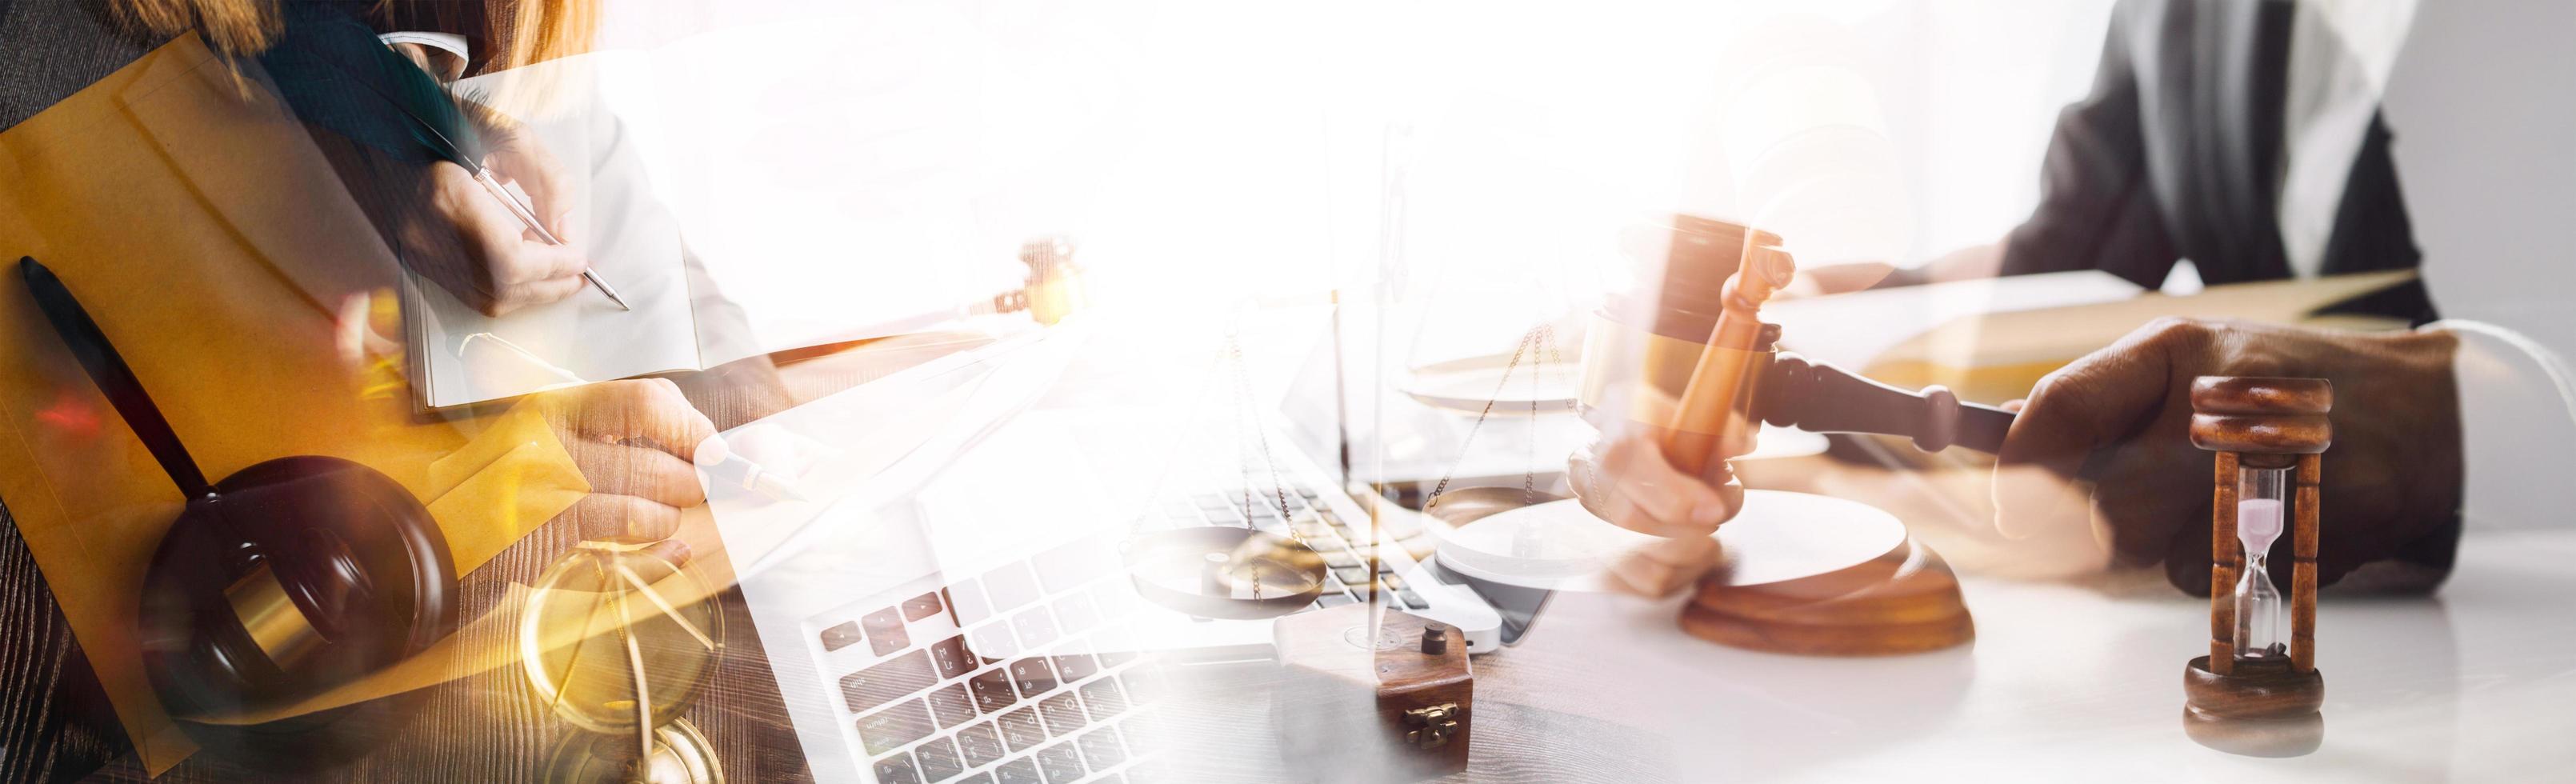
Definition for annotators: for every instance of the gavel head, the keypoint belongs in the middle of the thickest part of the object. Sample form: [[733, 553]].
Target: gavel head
[[2266, 420], [1642, 344], [1054, 288], [294, 576]]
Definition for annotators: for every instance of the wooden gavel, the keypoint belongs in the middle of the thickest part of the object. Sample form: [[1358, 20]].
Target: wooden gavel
[[1740, 378]]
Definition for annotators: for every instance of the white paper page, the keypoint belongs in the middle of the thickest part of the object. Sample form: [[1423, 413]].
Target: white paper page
[[1852, 329], [833, 176], [584, 338]]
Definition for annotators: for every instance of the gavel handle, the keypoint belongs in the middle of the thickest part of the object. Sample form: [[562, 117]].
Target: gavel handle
[[1823, 398]]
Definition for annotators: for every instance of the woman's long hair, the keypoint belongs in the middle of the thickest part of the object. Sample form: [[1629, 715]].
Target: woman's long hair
[[512, 33]]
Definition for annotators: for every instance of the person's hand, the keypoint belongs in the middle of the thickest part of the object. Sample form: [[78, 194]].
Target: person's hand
[[1664, 567], [493, 262], [2105, 442], [1971, 262], [1624, 478], [634, 441]]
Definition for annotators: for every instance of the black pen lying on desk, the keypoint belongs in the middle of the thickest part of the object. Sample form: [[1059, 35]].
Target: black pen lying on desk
[[402, 110]]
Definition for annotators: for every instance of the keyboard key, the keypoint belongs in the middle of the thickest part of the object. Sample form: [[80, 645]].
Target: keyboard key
[[1101, 746], [897, 769], [1036, 627], [1413, 601], [966, 603], [1010, 586], [1338, 559], [981, 743], [1062, 762], [993, 690], [951, 657], [1033, 676], [841, 636], [1104, 698], [1075, 614], [952, 706], [987, 778], [885, 631], [1334, 600], [881, 684], [993, 642], [923, 606], [889, 729], [1115, 599], [1074, 667], [1115, 644], [1351, 575], [1021, 728], [1143, 685], [939, 760], [1076, 562], [1019, 771], [1064, 714]]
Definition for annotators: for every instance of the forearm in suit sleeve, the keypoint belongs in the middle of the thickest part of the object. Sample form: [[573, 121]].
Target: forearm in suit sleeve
[[2096, 209]]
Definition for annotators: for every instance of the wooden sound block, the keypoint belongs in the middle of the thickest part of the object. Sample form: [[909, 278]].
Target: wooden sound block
[[1821, 576], [1778, 537]]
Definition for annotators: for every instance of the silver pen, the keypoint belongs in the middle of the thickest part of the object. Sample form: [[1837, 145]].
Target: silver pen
[[529, 217]]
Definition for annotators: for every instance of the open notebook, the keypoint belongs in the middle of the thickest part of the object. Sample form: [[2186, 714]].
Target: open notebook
[[660, 148], [460, 356]]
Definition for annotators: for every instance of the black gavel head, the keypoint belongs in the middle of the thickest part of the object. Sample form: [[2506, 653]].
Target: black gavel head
[[1682, 263], [293, 576]]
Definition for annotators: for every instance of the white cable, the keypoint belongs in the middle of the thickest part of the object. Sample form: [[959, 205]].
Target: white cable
[[2550, 363]]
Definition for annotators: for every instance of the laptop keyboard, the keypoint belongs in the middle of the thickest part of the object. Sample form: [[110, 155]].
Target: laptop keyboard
[[1029, 674], [1016, 675]]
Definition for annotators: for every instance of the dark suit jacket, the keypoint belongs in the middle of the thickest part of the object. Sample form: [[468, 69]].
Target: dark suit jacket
[[2177, 154]]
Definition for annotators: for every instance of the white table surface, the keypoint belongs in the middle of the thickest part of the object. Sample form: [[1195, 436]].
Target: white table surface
[[2070, 682]]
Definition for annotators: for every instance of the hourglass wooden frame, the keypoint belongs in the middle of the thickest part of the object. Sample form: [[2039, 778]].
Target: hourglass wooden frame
[[2254, 422]]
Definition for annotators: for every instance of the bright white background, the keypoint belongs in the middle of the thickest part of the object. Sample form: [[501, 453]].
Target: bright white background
[[1216, 150]]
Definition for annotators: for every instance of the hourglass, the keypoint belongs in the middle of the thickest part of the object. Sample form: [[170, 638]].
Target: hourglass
[[2258, 690]]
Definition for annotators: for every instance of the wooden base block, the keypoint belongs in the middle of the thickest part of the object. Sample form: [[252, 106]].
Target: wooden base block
[[2256, 690], [1340, 671], [2261, 709], [1906, 601]]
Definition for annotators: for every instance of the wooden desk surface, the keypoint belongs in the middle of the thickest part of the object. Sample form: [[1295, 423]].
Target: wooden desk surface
[[2067, 680]]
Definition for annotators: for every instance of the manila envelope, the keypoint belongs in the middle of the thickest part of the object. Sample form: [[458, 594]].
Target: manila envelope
[[214, 245]]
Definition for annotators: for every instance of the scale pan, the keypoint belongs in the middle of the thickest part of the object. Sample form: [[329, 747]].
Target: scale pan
[[1779, 536], [1220, 572], [1474, 383]]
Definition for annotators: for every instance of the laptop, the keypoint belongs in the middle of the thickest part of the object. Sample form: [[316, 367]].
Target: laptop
[[961, 610]]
